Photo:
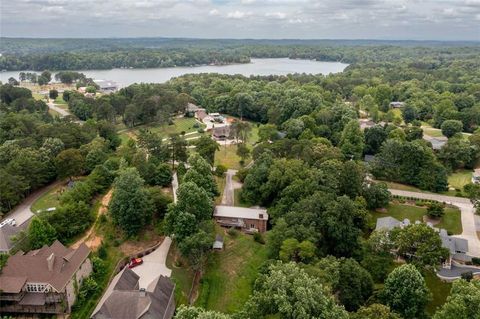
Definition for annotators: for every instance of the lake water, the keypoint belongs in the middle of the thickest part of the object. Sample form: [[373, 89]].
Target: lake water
[[125, 77]]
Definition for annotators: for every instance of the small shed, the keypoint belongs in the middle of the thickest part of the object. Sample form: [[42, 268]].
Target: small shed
[[218, 244]]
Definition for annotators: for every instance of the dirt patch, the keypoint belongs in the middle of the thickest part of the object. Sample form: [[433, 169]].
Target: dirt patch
[[132, 135], [91, 238], [132, 247], [433, 221]]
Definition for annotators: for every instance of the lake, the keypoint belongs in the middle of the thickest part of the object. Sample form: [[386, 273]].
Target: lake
[[125, 77]]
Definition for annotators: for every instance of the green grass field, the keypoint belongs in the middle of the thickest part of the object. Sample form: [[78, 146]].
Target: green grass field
[[229, 276], [439, 289], [182, 276], [49, 199], [59, 100], [460, 178], [451, 221], [227, 155]]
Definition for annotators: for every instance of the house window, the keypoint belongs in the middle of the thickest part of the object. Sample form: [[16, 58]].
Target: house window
[[36, 287], [252, 226], [260, 216]]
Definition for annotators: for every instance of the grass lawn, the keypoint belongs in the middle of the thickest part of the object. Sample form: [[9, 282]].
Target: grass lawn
[[410, 188], [451, 221], [227, 156], [229, 275], [38, 96], [183, 124], [403, 187], [460, 178], [434, 132], [53, 112], [181, 276], [439, 289], [60, 100], [221, 187], [49, 199]]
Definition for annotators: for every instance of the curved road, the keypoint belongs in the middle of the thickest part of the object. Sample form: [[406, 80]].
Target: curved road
[[469, 219], [22, 212]]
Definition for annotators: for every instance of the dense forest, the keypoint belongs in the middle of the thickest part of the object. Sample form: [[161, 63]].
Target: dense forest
[[324, 260], [69, 54]]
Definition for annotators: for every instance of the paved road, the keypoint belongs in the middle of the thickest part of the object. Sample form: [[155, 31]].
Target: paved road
[[469, 219], [175, 186], [22, 212], [62, 112], [228, 198]]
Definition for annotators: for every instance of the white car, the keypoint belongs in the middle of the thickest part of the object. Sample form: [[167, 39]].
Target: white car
[[8, 221]]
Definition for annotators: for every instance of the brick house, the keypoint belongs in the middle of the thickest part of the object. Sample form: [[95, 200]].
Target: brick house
[[43, 281], [247, 219]]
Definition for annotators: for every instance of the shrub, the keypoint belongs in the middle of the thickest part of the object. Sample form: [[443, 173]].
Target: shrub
[[102, 252], [201, 130], [220, 170], [467, 275], [258, 238], [196, 125], [436, 210], [232, 232], [476, 261]]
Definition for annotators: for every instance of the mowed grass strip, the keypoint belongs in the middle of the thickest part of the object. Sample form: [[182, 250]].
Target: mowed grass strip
[[49, 199], [230, 274]]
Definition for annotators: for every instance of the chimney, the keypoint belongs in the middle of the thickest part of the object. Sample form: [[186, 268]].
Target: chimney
[[143, 292], [50, 261]]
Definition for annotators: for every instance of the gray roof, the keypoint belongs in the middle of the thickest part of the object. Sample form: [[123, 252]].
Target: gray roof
[[123, 299], [240, 212], [437, 142], [387, 223], [218, 244], [7, 232], [453, 244]]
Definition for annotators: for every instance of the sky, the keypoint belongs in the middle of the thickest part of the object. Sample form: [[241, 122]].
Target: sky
[[272, 19]]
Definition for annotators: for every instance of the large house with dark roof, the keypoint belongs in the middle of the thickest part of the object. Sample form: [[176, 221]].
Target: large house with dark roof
[[124, 300], [43, 281]]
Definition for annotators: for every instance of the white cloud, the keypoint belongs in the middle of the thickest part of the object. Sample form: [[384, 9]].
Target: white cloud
[[238, 14], [276, 15], [421, 19], [214, 12]]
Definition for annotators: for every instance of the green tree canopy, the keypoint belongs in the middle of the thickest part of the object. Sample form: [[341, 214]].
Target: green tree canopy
[[405, 292]]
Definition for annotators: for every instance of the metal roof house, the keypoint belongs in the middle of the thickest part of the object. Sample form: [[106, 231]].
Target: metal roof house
[[106, 86], [218, 244], [248, 219]]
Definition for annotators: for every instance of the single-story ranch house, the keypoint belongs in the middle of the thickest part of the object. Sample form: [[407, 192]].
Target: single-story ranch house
[[249, 220]]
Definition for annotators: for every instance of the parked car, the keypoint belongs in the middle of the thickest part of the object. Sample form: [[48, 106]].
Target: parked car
[[8, 221], [135, 262]]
